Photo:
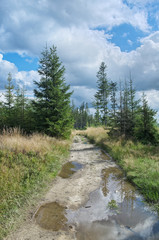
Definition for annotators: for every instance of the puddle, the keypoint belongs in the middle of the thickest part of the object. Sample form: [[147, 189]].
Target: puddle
[[115, 211], [51, 216], [130, 219], [69, 169]]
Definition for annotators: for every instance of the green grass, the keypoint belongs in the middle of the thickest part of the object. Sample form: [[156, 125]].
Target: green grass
[[25, 172], [139, 162], [112, 204]]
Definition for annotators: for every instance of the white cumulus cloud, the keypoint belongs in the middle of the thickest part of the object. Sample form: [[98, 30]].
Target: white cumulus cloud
[[75, 28]]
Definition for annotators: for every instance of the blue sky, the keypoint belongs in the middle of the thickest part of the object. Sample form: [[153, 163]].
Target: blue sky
[[23, 63], [122, 33], [127, 37]]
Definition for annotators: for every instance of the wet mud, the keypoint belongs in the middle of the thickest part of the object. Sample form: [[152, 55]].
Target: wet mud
[[69, 169], [51, 216]]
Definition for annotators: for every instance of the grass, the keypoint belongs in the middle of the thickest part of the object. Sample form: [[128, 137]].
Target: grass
[[26, 164], [112, 204], [139, 162]]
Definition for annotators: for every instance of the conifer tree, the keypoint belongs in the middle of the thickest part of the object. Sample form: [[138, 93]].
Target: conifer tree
[[133, 105], [126, 110], [9, 101], [102, 94], [113, 98], [20, 105], [120, 111], [97, 116], [2, 116], [145, 126], [82, 116], [52, 104]]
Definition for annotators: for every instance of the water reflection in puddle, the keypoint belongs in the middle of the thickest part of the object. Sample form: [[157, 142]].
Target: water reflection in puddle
[[131, 219], [69, 169]]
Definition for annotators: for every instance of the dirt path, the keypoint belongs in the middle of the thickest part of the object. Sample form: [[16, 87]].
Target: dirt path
[[90, 200], [70, 192]]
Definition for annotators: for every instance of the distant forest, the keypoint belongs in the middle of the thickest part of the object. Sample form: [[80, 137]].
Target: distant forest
[[51, 112]]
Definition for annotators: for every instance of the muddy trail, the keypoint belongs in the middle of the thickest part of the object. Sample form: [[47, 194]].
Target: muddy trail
[[90, 200]]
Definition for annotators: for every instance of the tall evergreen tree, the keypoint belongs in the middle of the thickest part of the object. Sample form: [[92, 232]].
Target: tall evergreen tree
[[126, 110], [113, 98], [9, 102], [145, 127], [120, 111], [102, 94], [2, 116], [133, 105], [52, 104], [20, 105], [97, 116]]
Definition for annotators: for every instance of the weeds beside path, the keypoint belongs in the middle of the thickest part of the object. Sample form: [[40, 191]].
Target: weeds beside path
[[26, 165], [140, 162]]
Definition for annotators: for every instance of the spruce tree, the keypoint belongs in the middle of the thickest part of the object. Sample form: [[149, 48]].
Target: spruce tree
[[145, 126], [97, 116], [120, 112], [126, 111], [29, 116], [82, 116], [133, 105], [113, 98], [2, 116], [52, 104], [102, 95], [20, 105], [9, 102]]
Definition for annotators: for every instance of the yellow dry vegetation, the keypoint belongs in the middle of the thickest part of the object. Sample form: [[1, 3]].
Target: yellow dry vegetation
[[98, 134], [14, 141]]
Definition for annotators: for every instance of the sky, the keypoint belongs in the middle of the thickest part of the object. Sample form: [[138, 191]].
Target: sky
[[122, 33]]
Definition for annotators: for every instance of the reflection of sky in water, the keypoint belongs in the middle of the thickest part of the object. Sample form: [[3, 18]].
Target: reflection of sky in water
[[132, 219], [69, 168]]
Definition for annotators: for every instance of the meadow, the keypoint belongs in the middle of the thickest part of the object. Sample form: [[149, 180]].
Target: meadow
[[27, 165], [139, 162]]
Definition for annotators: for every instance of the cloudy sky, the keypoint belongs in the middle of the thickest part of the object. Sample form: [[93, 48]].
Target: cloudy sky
[[122, 33]]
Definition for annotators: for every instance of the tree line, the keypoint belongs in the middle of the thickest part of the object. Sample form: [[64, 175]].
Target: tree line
[[118, 109], [50, 112], [81, 116]]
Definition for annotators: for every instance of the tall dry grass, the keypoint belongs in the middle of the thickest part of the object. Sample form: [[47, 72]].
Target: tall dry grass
[[97, 134], [26, 164], [13, 140]]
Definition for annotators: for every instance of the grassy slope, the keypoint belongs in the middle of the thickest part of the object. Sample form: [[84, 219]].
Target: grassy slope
[[140, 162], [26, 165]]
